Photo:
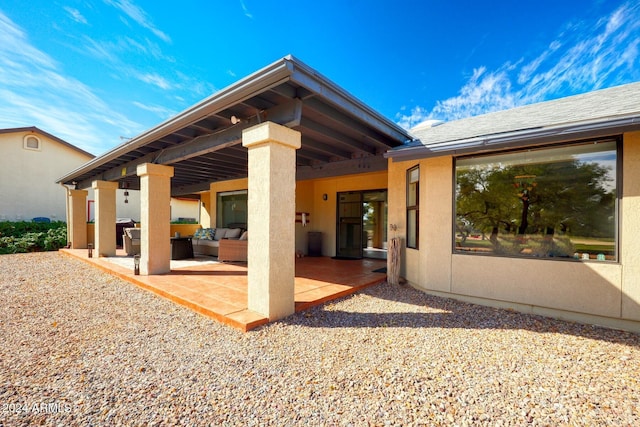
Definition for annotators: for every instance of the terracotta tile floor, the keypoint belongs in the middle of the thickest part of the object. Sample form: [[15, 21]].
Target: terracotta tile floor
[[219, 290]]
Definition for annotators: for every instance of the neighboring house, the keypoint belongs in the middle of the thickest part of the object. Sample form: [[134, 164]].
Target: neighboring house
[[30, 162], [534, 208]]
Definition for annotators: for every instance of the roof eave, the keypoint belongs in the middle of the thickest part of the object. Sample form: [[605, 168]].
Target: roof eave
[[267, 77], [530, 137], [281, 71]]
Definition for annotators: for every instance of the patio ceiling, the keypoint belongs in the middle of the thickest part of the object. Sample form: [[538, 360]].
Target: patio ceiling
[[340, 134]]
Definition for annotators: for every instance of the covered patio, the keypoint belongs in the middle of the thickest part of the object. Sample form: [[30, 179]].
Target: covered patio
[[219, 290], [285, 135]]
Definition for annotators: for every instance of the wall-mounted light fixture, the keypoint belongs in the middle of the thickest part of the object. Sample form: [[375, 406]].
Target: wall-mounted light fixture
[[325, 197]]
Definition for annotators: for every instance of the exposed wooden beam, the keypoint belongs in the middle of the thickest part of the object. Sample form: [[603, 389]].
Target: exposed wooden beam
[[310, 143], [367, 133], [347, 167], [308, 154], [335, 136], [288, 114]]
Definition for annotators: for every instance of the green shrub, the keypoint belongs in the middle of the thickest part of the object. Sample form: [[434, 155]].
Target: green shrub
[[24, 236], [185, 221]]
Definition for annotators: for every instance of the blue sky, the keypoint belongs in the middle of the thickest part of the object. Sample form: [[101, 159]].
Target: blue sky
[[93, 72]]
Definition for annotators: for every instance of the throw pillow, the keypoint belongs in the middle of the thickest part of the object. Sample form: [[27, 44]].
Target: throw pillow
[[198, 233], [244, 236], [208, 233]]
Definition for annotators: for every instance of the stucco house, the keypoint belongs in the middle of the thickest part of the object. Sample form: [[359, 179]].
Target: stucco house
[[30, 162], [533, 208], [525, 208]]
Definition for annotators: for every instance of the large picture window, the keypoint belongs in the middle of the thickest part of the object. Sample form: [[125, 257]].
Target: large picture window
[[546, 203], [413, 206]]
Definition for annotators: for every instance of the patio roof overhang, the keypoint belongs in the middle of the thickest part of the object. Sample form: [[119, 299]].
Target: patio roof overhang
[[340, 134]]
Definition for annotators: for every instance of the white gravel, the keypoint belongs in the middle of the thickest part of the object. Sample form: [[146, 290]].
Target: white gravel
[[80, 347]]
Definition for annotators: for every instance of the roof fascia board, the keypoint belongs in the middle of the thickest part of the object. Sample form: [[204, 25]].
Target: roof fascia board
[[563, 133], [260, 81]]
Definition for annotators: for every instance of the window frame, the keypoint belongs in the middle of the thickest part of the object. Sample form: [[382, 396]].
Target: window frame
[[219, 209], [413, 209], [25, 142], [617, 170]]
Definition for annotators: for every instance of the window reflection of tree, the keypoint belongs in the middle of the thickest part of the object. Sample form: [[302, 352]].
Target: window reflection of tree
[[534, 209]]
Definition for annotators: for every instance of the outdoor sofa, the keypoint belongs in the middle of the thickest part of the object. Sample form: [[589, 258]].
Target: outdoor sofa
[[233, 250], [208, 241]]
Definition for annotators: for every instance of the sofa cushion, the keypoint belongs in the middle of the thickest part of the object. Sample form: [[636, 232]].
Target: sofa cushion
[[232, 233], [220, 233]]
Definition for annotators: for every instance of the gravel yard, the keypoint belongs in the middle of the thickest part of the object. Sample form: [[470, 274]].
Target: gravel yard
[[80, 347]]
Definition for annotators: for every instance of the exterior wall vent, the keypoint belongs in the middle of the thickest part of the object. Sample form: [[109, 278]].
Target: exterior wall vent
[[32, 142]]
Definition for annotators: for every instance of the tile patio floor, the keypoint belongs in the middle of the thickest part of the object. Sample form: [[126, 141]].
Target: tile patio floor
[[219, 290]]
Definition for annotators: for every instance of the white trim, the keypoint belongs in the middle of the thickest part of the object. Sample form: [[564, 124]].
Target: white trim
[[28, 138]]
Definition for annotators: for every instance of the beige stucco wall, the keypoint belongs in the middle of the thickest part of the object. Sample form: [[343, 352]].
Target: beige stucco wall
[[323, 212], [630, 227], [205, 209], [305, 197], [28, 186], [184, 208], [574, 290]]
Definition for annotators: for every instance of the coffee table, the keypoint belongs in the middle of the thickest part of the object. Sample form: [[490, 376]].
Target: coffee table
[[181, 248]]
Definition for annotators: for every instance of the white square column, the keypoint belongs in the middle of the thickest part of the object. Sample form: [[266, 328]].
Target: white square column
[[155, 218], [105, 228], [271, 218], [77, 219]]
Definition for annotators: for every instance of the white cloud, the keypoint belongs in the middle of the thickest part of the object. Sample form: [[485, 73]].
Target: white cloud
[[13, 44], [75, 15], [138, 15], [156, 109], [415, 116], [34, 92], [154, 79], [99, 50], [245, 10], [584, 57]]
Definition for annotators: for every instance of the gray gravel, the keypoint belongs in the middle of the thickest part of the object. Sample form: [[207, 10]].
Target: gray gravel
[[80, 347]]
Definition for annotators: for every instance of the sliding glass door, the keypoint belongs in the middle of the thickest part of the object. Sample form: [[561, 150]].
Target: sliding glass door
[[361, 229]]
